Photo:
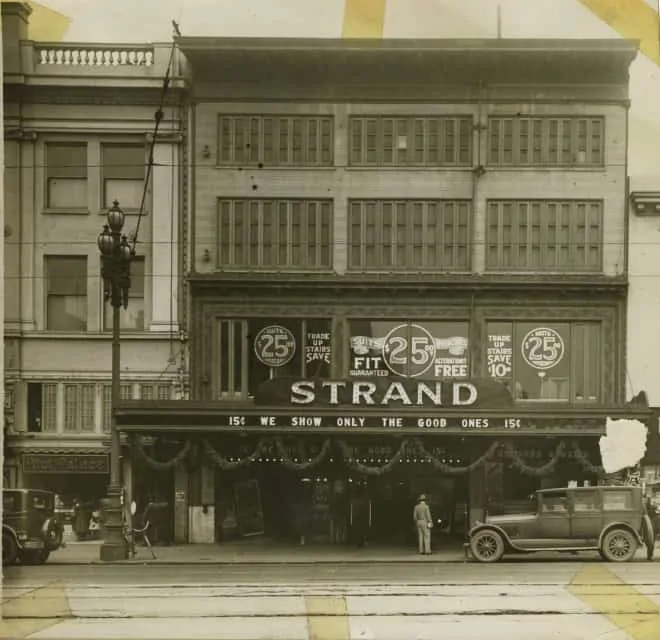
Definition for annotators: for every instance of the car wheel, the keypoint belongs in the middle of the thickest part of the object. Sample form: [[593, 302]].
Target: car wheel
[[487, 545], [9, 549], [619, 545], [34, 556]]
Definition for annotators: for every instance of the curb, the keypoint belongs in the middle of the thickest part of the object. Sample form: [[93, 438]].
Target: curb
[[238, 563]]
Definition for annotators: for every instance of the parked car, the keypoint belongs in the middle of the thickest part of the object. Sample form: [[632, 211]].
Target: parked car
[[30, 529], [63, 510], [612, 520]]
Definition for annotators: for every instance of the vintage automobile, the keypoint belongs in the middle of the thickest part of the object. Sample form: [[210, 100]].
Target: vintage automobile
[[611, 520], [30, 530]]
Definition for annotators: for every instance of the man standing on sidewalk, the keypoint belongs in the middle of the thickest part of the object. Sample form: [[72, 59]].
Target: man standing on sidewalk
[[424, 524]]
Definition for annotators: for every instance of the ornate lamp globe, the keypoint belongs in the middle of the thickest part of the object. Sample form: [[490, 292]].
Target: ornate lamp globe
[[115, 217], [105, 241]]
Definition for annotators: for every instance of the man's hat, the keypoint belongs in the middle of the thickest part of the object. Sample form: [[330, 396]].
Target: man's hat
[[422, 497]]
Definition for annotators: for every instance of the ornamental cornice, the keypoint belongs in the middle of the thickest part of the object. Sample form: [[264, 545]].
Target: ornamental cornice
[[645, 203]]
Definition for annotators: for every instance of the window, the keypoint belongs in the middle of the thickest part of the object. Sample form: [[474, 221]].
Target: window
[[554, 503], [620, 500], [586, 501], [409, 234], [125, 393], [543, 141], [428, 349], [422, 141], [272, 234], [156, 391], [66, 293], [41, 407], [252, 351], [131, 318], [79, 408], [66, 176], [544, 235], [275, 140], [124, 170], [546, 361]]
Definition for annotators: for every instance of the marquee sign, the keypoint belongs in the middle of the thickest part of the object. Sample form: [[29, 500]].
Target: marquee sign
[[478, 423]]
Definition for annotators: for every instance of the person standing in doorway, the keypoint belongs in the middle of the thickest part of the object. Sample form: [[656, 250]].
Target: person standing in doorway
[[424, 523], [360, 517]]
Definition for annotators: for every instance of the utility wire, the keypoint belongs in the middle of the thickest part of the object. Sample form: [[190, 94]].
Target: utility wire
[[158, 116]]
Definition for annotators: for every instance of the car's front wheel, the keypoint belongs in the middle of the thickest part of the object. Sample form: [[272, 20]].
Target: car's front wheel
[[9, 549], [487, 545], [619, 545]]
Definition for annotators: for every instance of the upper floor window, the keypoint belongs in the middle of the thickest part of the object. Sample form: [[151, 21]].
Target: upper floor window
[[41, 407], [66, 176], [276, 140], [80, 407], [544, 235], [546, 361], [409, 234], [124, 170], [251, 351], [66, 293], [545, 141], [271, 234], [410, 141], [131, 318], [126, 392]]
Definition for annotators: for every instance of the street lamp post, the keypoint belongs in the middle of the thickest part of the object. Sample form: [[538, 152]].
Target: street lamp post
[[116, 256]]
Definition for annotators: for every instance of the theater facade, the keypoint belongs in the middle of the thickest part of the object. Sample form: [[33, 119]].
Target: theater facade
[[406, 274]]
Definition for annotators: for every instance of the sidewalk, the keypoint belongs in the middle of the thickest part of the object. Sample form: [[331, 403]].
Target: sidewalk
[[259, 551]]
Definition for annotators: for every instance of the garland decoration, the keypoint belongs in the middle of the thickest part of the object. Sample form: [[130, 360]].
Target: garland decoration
[[229, 465], [451, 469], [369, 470], [523, 467], [143, 456], [289, 464], [584, 462]]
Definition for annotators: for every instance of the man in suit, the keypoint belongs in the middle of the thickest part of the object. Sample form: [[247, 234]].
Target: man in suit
[[424, 523]]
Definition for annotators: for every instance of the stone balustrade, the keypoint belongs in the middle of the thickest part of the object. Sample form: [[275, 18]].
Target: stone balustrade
[[95, 57]]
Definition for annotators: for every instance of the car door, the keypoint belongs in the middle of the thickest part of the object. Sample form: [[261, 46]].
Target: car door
[[553, 522], [586, 517]]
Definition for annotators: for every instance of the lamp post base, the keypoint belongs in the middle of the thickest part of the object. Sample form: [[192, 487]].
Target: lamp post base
[[114, 547]]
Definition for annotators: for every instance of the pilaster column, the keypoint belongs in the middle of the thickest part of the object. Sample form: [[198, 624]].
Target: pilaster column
[[165, 236]]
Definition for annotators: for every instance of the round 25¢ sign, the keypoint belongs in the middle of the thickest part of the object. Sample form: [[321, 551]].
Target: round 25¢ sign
[[275, 345], [542, 348]]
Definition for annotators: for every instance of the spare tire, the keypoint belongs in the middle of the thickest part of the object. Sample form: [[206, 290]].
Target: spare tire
[[52, 533], [648, 534]]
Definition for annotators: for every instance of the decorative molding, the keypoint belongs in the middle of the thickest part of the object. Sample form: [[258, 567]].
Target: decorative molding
[[645, 203], [172, 137], [20, 135]]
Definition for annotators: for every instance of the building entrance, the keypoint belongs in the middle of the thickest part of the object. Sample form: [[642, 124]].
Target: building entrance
[[332, 503]]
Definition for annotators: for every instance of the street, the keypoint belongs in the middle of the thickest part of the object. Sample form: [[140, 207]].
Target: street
[[579, 599]]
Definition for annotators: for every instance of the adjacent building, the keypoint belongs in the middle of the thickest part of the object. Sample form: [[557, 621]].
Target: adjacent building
[[78, 126], [407, 268]]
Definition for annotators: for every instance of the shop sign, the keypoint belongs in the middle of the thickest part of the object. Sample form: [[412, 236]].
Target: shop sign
[[56, 463], [357, 393], [499, 353], [275, 345], [410, 350], [542, 348], [462, 424], [318, 347]]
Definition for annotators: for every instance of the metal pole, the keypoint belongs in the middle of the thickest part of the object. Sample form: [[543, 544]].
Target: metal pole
[[114, 545]]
